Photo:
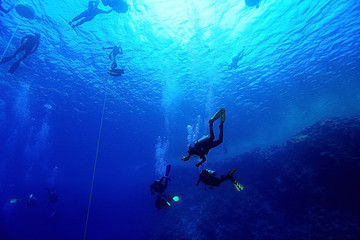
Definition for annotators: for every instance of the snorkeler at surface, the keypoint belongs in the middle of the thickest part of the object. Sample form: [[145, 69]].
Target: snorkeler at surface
[[203, 145], [158, 186], [3, 9], [88, 14], [114, 71], [118, 6], [208, 177], [29, 44], [235, 60]]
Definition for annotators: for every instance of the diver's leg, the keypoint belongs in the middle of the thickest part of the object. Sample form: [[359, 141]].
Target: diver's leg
[[81, 15], [20, 49], [3, 10], [211, 130], [6, 59], [221, 136], [113, 65], [85, 19]]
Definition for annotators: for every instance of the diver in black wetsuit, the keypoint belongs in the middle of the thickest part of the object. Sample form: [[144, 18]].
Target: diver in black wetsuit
[[208, 177], [162, 201], [235, 60], [29, 44], [202, 146], [158, 186], [3, 9], [52, 195], [88, 14], [114, 71]]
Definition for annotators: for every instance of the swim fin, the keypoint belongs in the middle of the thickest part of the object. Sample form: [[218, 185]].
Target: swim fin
[[14, 66], [168, 168], [237, 185], [218, 114], [222, 119], [116, 72], [232, 171]]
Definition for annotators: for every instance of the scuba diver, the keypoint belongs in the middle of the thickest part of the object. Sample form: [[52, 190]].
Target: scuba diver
[[208, 177], [203, 145], [114, 71], [235, 60], [164, 201], [158, 186], [88, 14], [29, 44], [30, 202], [52, 195], [3, 9]]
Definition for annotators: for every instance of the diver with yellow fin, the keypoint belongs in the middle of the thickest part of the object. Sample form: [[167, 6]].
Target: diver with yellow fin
[[202, 146], [208, 177]]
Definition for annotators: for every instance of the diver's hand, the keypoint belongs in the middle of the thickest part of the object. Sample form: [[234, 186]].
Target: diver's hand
[[197, 165], [184, 158]]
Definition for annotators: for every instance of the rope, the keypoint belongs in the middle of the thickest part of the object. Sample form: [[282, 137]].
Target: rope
[[96, 157], [9, 43]]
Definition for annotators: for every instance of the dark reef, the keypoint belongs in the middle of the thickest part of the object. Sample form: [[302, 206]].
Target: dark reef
[[308, 188]]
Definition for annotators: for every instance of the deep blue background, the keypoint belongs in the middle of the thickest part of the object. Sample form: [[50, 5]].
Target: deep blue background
[[301, 65]]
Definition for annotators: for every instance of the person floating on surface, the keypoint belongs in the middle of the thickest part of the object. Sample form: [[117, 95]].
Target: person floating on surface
[[118, 6], [203, 145], [114, 71], [235, 60], [158, 186], [3, 9], [29, 44], [88, 14], [208, 177]]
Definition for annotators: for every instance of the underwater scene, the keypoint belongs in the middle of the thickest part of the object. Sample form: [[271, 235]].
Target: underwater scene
[[179, 120]]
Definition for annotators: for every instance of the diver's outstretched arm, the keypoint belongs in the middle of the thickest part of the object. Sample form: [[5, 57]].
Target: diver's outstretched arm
[[203, 159], [4, 10], [185, 158], [103, 11]]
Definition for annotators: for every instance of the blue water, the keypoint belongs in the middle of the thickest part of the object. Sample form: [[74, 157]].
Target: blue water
[[301, 64]]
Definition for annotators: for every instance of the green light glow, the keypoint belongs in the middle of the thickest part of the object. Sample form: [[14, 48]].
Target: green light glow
[[175, 198]]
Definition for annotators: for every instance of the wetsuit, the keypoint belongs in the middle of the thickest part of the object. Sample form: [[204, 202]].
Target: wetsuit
[[29, 44], [161, 202], [89, 13], [202, 146], [112, 56], [158, 186], [209, 178], [52, 196]]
